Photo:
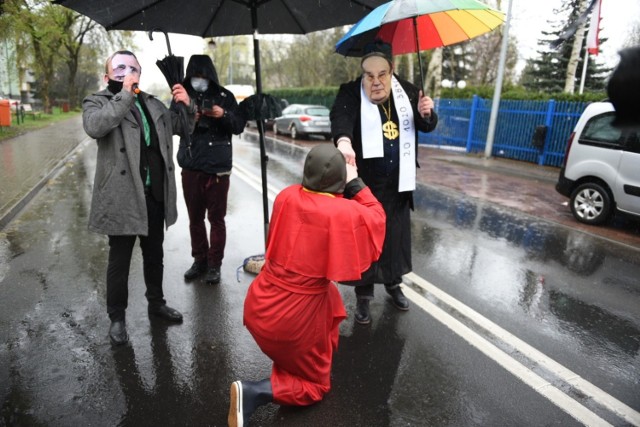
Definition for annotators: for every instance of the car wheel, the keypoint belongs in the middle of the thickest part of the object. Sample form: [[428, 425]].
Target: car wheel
[[591, 203], [294, 132]]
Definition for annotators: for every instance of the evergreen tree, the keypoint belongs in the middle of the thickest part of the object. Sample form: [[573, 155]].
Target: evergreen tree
[[547, 72]]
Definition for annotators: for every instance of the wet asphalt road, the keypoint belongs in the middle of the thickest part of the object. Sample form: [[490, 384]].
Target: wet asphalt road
[[452, 360]]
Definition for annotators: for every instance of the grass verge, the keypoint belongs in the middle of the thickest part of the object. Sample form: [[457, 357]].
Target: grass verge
[[32, 123]]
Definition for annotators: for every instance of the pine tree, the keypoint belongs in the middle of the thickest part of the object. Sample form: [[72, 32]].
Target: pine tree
[[547, 72]]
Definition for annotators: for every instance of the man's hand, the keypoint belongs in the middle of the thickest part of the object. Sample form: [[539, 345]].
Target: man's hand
[[216, 112], [344, 145], [129, 81], [425, 105], [352, 172], [180, 94]]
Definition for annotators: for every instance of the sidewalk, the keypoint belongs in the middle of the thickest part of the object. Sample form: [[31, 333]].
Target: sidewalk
[[525, 187], [30, 160]]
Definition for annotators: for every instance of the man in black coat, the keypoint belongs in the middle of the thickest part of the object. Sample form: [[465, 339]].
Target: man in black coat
[[375, 121], [206, 161]]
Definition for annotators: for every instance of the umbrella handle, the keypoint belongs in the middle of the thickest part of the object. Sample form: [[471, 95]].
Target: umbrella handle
[[165, 35]]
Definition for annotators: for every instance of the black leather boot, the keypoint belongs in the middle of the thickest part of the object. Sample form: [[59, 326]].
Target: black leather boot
[[196, 270], [362, 315], [397, 298], [246, 397], [118, 332], [213, 276]]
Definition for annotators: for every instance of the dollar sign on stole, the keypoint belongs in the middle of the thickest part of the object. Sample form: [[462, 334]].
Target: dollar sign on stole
[[390, 130]]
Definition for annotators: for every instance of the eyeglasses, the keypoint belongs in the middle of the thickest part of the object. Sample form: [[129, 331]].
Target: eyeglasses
[[381, 77]]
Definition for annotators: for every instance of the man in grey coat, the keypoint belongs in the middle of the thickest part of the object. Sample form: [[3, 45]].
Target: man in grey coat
[[134, 192]]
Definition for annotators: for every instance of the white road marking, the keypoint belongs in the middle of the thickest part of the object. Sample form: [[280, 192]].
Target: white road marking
[[539, 384], [618, 408], [254, 181]]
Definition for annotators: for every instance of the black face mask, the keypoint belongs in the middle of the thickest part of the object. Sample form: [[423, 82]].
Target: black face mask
[[114, 86]]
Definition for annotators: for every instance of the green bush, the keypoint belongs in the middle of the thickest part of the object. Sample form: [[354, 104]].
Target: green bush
[[326, 95]]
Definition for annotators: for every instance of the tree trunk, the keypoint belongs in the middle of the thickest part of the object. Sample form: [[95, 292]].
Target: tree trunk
[[432, 85], [572, 66]]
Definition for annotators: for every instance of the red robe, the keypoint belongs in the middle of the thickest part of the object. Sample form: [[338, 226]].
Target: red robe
[[292, 308]]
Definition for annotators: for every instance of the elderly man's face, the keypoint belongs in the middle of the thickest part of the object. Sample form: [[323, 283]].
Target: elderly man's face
[[376, 78], [121, 65]]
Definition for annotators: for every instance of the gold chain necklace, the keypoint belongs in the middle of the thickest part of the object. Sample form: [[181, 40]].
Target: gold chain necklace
[[389, 129]]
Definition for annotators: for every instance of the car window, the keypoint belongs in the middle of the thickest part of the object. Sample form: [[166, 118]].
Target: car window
[[599, 131], [317, 111], [633, 142]]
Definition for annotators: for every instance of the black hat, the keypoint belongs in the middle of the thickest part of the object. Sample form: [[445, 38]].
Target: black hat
[[378, 48], [325, 169]]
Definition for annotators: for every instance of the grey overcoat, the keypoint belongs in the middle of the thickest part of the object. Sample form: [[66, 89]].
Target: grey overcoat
[[118, 204]]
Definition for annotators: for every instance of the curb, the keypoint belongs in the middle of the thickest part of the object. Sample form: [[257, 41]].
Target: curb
[[12, 212]]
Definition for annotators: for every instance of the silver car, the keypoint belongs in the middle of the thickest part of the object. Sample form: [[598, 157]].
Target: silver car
[[302, 120]]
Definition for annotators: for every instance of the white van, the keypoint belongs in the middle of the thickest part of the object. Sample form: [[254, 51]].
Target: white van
[[601, 171], [240, 91]]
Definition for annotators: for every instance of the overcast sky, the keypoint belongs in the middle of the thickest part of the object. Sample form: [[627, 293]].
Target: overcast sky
[[529, 19]]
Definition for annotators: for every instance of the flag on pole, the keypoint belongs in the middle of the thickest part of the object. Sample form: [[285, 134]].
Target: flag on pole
[[594, 29]]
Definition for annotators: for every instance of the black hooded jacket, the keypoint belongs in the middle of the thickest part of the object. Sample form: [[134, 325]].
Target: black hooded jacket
[[210, 149]]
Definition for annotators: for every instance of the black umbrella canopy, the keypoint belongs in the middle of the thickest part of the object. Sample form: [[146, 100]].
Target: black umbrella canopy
[[209, 18], [217, 18]]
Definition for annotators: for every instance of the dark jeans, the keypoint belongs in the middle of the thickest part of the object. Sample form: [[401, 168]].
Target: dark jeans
[[120, 251], [206, 194]]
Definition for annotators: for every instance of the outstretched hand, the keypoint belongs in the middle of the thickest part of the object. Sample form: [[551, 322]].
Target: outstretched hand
[[352, 172], [344, 145]]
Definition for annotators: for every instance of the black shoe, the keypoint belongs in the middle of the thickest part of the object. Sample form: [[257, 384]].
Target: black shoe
[[118, 332], [195, 270], [213, 275], [166, 313], [398, 299], [362, 315], [246, 397]]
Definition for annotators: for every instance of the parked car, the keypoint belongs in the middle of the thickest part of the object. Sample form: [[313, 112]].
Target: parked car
[[302, 120], [600, 174]]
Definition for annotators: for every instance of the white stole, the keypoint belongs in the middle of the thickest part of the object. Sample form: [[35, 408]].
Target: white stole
[[371, 131]]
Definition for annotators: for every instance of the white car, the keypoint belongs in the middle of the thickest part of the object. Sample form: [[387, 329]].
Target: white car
[[601, 171]]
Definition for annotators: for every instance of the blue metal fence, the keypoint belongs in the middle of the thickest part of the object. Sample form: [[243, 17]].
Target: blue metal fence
[[463, 123]]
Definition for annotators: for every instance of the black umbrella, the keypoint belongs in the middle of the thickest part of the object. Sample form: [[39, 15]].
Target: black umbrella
[[212, 18], [172, 68]]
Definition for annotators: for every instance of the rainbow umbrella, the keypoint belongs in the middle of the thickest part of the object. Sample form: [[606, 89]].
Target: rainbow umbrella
[[411, 26]]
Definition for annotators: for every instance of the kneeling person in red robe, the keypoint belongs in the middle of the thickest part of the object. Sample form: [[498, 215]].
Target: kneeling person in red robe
[[329, 229]]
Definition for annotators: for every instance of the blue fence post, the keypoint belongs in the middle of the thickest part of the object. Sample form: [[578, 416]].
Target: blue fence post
[[472, 119], [548, 121]]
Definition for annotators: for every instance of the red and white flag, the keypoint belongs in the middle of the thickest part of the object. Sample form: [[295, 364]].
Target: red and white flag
[[594, 29]]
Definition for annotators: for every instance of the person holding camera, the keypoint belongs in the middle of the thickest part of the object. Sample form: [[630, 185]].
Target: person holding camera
[[206, 160]]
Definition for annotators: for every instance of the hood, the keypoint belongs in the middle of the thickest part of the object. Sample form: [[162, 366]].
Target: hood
[[325, 169], [200, 65]]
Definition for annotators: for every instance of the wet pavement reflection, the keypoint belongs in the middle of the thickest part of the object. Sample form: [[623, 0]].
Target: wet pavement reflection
[[572, 295]]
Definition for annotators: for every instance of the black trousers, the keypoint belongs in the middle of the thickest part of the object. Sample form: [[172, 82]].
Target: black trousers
[[120, 251], [366, 291]]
